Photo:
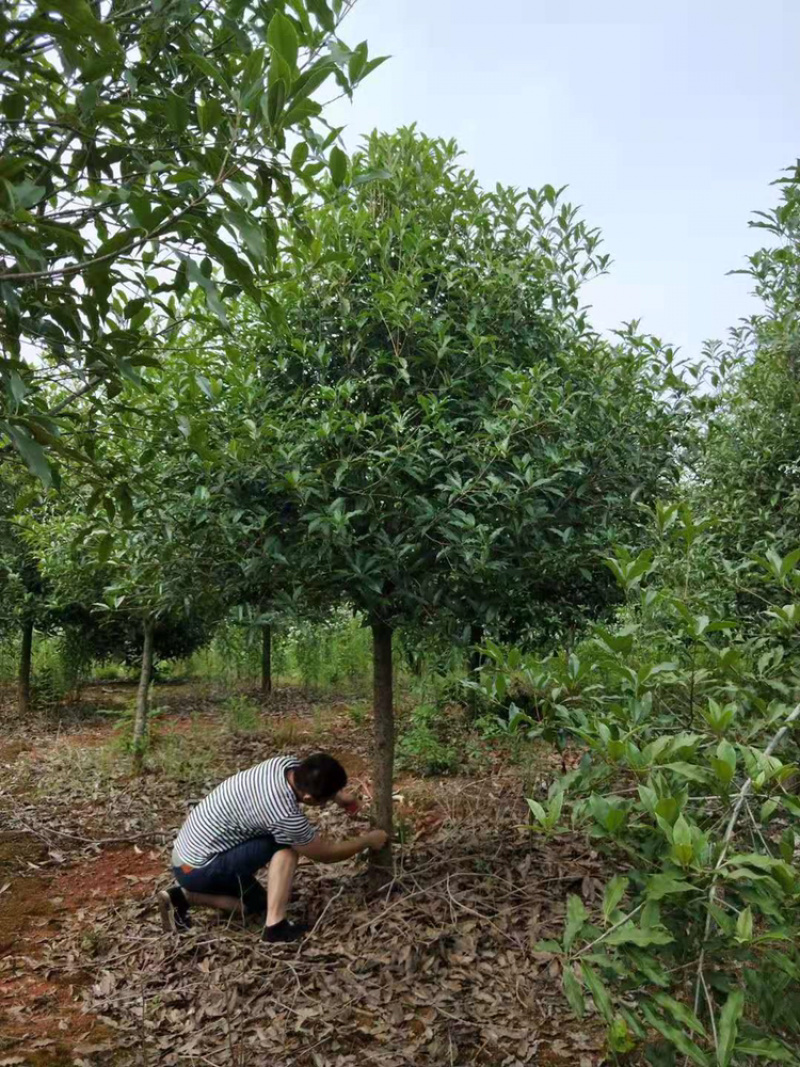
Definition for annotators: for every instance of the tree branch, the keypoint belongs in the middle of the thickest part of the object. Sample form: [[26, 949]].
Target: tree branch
[[741, 800]]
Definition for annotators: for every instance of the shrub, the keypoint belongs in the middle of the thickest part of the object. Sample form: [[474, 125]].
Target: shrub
[[690, 738], [423, 747], [242, 716]]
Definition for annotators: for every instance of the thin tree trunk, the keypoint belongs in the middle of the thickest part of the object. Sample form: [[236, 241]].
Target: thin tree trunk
[[143, 697], [476, 659], [475, 664], [383, 717], [266, 660], [25, 666]]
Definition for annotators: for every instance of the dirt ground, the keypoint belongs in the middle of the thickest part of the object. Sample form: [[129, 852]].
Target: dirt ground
[[439, 967]]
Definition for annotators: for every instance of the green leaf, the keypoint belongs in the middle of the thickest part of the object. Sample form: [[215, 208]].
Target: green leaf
[[251, 233], [252, 77], [789, 562], [19, 389], [729, 1026], [688, 770], [682, 846], [744, 925], [573, 992], [723, 770], [600, 995], [282, 36], [552, 947], [104, 546], [615, 891], [133, 307], [538, 811], [210, 113], [338, 164], [576, 918], [367, 176], [629, 934], [210, 289], [176, 108], [125, 501], [681, 1012], [767, 1048], [32, 453], [276, 99], [323, 13], [298, 113], [13, 105], [311, 80], [768, 809], [299, 155], [681, 1042], [79, 16], [205, 66]]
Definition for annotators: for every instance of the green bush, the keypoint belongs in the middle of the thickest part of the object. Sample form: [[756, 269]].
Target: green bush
[[691, 734], [242, 716], [423, 747]]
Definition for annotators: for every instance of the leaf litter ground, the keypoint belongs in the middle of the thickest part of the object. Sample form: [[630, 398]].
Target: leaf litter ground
[[436, 966]]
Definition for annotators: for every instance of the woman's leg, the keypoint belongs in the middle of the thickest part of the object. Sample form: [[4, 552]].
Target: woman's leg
[[279, 884], [229, 883], [231, 905]]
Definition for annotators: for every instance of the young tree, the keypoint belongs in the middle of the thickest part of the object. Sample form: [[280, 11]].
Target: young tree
[[749, 469], [160, 556], [26, 601], [450, 426], [147, 150]]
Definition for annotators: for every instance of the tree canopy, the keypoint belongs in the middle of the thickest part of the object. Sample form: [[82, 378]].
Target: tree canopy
[[146, 152], [453, 440]]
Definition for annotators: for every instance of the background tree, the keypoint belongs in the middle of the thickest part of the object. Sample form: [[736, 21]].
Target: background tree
[[25, 601], [158, 560], [750, 466]]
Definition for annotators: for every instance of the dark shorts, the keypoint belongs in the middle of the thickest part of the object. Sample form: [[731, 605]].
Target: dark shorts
[[232, 873]]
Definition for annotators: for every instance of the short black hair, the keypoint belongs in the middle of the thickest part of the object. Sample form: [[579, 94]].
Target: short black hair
[[320, 776]]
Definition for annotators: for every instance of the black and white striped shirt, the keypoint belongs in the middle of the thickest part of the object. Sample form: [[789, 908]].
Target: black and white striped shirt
[[250, 804]]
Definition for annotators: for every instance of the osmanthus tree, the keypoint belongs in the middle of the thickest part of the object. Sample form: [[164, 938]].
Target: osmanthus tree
[[157, 558], [749, 469], [25, 601], [445, 413], [243, 449], [148, 149], [621, 433]]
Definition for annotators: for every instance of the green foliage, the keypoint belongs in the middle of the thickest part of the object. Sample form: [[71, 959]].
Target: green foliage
[[690, 747], [358, 713], [146, 161], [429, 309], [122, 742], [331, 653], [148, 555], [242, 716], [429, 745], [749, 467]]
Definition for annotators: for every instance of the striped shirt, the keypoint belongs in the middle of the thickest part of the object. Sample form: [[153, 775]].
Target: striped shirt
[[250, 804]]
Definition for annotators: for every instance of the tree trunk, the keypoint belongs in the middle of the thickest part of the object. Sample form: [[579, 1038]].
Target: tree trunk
[[383, 717], [25, 663], [143, 697], [476, 658], [266, 660]]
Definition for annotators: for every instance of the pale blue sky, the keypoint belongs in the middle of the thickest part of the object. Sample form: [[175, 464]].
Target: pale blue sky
[[667, 118]]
